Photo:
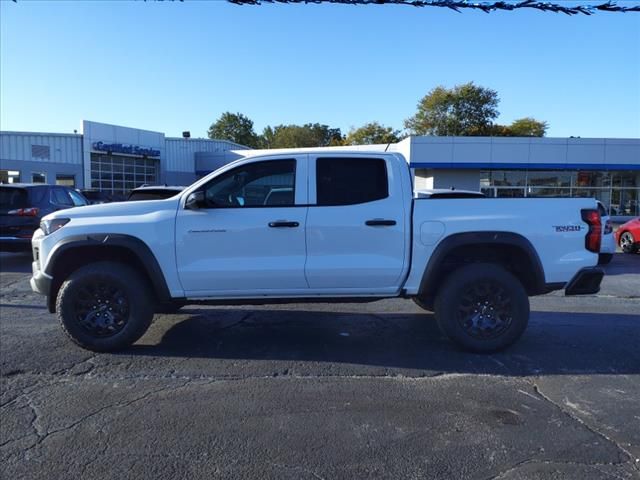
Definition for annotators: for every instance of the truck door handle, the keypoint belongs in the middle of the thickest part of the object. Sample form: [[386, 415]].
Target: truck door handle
[[379, 222], [283, 224]]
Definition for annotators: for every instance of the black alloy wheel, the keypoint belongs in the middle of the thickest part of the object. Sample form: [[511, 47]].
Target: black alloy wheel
[[101, 308], [105, 306], [485, 310]]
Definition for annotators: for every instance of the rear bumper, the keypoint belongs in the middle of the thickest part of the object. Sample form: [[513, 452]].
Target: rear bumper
[[586, 281], [608, 244]]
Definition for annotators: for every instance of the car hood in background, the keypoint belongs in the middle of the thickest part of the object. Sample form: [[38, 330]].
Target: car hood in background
[[117, 209]]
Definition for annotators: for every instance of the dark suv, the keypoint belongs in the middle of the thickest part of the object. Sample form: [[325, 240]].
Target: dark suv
[[22, 206], [153, 192]]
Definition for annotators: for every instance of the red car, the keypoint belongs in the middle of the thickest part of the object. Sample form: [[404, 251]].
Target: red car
[[628, 236]]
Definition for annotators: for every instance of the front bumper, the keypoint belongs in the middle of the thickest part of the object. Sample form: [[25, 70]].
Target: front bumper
[[586, 281], [40, 282]]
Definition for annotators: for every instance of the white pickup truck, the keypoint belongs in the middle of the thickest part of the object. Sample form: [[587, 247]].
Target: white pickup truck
[[314, 226]]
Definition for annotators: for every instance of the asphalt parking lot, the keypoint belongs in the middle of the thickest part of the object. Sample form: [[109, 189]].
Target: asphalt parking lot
[[330, 391]]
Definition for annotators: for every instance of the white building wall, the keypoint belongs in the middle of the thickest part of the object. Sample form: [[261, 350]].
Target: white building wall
[[524, 152], [63, 148], [54, 155], [180, 152]]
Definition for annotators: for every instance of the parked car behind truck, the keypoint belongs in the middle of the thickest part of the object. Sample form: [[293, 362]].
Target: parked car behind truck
[[628, 236], [352, 230], [23, 205]]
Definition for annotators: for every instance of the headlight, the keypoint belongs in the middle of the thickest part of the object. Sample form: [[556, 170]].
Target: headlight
[[50, 226]]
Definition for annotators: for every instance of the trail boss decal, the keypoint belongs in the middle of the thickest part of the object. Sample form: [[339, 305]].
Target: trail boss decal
[[567, 228]]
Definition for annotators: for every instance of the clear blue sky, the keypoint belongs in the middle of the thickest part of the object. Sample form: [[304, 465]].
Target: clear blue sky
[[170, 66]]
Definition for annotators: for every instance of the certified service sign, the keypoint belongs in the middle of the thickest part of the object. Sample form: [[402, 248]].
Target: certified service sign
[[125, 148]]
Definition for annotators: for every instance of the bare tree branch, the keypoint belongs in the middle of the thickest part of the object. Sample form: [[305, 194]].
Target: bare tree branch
[[459, 5]]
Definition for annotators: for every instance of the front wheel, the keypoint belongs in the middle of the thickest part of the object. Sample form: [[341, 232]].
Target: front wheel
[[105, 306], [628, 243], [482, 307]]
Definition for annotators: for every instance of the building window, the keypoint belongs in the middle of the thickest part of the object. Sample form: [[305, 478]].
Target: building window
[[40, 152], [66, 180], [9, 176], [619, 191], [119, 174], [506, 178], [38, 177], [548, 179]]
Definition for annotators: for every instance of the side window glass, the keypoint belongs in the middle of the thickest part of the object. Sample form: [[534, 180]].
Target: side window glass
[[60, 197], [259, 184], [76, 198], [349, 181]]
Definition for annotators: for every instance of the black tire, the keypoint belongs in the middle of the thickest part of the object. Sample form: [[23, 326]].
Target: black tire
[[628, 243], [105, 306], [482, 308], [423, 304], [605, 258]]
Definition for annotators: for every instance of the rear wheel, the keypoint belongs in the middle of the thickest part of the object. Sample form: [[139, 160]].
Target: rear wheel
[[482, 307], [105, 306], [628, 243]]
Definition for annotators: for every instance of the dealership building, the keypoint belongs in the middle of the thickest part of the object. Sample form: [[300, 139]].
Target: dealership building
[[110, 158], [116, 159]]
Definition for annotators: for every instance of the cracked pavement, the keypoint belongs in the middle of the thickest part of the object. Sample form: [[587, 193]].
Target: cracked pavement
[[324, 391]]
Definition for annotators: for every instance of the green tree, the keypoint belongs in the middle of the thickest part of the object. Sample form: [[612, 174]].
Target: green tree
[[267, 139], [372, 133], [465, 109], [234, 127], [524, 127], [297, 136], [528, 127]]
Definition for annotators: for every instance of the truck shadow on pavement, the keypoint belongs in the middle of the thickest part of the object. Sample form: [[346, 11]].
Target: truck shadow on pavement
[[622, 264], [555, 343]]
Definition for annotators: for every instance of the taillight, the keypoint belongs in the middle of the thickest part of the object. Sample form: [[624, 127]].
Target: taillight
[[594, 234], [25, 212]]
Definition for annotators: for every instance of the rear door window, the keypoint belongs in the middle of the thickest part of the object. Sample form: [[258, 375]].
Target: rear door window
[[77, 199], [349, 181], [60, 197]]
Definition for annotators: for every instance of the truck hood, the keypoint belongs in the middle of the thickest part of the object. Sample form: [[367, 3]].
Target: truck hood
[[117, 209]]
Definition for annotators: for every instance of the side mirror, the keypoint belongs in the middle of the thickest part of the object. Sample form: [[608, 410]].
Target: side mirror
[[194, 200]]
